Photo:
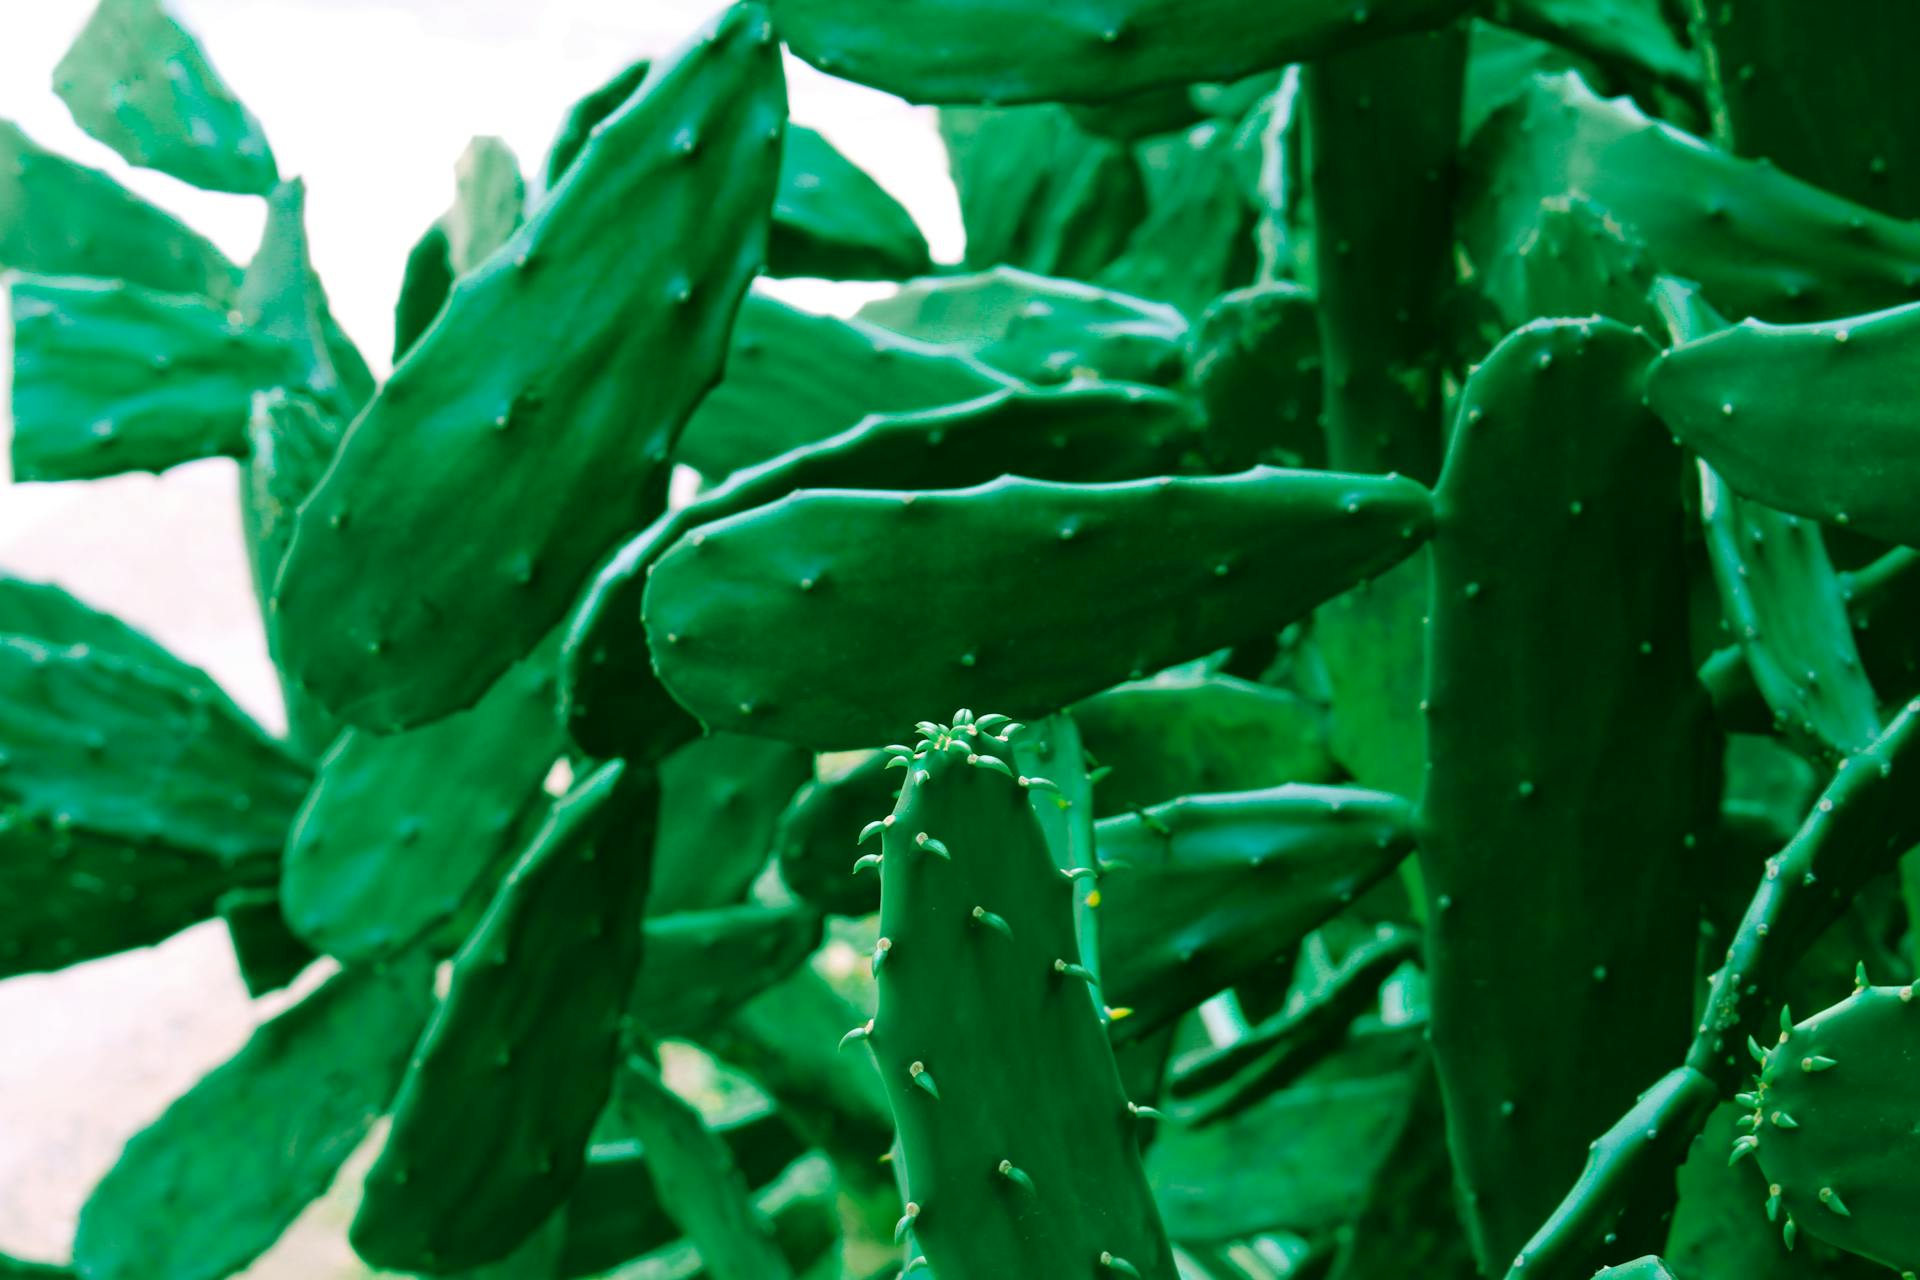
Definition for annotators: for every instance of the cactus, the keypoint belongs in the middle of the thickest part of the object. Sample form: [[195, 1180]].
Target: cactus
[[1206, 542], [528, 1029], [59, 218], [1608, 492], [1737, 397], [1255, 362], [1473, 684], [1055, 1188], [696, 147], [112, 377], [243, 1151], [996, 52], [398, 834], [1823, 1124], [612, 702], [138, 81]]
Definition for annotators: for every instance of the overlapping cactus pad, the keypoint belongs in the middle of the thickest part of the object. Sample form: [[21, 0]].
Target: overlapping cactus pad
[[1424, 497]]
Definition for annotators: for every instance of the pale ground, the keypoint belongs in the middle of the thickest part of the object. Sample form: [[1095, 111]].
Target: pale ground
[[371, 101]]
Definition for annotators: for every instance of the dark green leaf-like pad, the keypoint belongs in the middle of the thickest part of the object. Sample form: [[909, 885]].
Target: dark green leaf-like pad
[[612, 701], [791, 620], [491, 1125], [1761, 243], [481, 426], [138, 81], [990, 1049], [58, 218], [212, 1183], [1180, 735], [1743, 398], [1558, 517], [401, 832], [111, 377]]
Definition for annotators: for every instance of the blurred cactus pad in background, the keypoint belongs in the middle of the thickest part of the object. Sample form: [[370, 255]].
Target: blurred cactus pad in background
[[1307, 709]]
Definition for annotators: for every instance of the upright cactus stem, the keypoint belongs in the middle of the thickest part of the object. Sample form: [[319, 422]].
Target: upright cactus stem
[[994, 1058]]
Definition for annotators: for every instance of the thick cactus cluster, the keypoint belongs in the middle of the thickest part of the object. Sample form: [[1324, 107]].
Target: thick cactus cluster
[[1440, 483]]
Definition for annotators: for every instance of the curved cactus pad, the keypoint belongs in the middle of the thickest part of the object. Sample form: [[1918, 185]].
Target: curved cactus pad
[[1816, 419], [1019, 1152], [824, 616], [432, 555], [527, 1036]]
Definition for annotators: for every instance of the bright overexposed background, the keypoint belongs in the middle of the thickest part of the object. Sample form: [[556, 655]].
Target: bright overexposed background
[[371, 101]]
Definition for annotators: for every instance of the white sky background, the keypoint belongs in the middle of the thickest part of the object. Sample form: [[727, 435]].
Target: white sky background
[[371, 101]]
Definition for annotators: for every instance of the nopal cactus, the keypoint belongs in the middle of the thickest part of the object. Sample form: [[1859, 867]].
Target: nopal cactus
[[1438, 479]]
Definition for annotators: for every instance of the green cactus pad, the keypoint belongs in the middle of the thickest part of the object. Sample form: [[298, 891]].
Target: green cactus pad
[[424, 285], [1759, 242], [1742, 397], [1018, 1150], [1183, 734], [794, 378], [489, 203], [1802, 89], [1000, 51], [1830, 1126], [1322, 1143], [1383, 243], [111, 377], [1254, 359], [719, 800], [58, 218], [281, 298], [611, 700], [701, 966], [699, 1185], [71, 896], [1782, 600], [811, 840], [401, 832], [693, 157], [1037, 328], [125, 751], [1144, 575], [1200, 892], [1039, 192], [1532, 958], [138, 81], [527, 1036], [211, 1184], [290, 441], [830, 219], [12, 1268]]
